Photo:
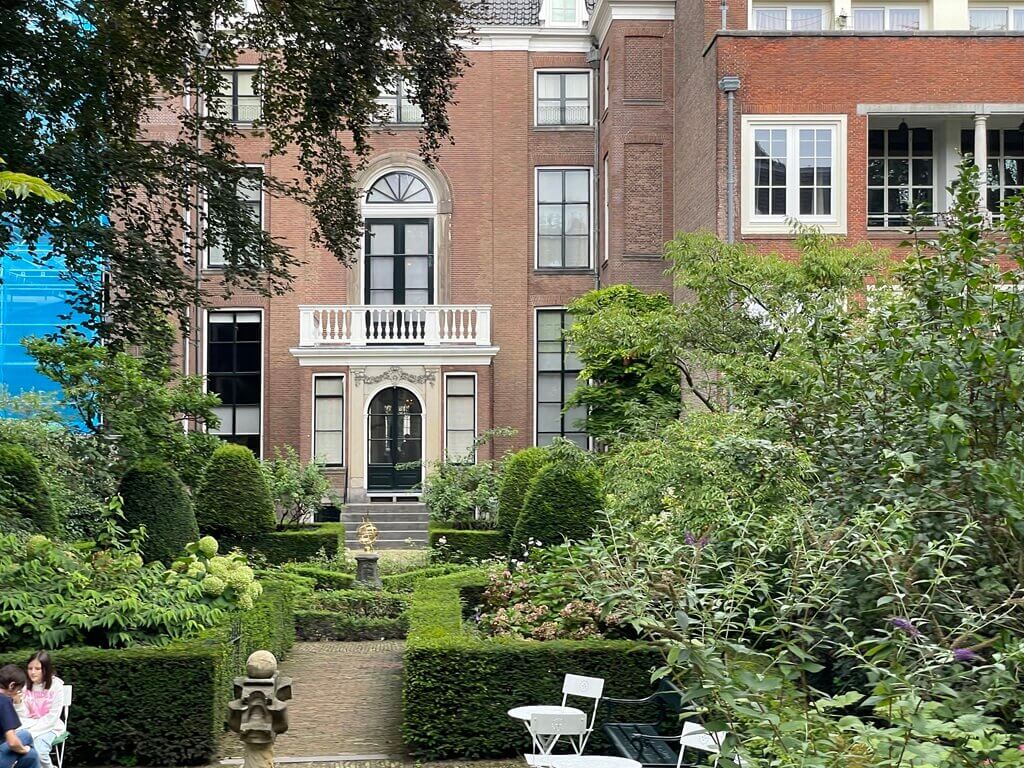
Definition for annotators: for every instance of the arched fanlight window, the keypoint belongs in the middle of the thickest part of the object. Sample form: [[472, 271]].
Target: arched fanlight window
[[399, 187]]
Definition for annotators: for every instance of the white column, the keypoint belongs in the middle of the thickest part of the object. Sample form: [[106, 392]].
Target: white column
[[981, 159]]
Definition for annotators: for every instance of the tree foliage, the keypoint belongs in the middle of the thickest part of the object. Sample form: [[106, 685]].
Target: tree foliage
[[234, 499], [298, 489], [23, 492], [154, 496], [91, 102]]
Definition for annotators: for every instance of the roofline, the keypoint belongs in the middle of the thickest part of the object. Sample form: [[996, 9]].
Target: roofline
[[607, 11], [769, 33]]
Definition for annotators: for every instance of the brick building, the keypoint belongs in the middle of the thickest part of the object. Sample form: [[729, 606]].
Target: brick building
[[584, 135]]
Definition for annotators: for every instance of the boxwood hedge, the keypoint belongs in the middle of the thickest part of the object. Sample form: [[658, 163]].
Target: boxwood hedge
[[292, 544], [328, 625], [165, 705], [461, 546], [458, 686], [324, 577]]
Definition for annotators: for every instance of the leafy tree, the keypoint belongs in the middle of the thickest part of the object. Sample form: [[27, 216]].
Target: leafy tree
[[131, 397], [154, 496], [86, 83], [234, 500], [22, 185], [23, 493], [517, 473], [298, 489], [563, 503], [624, 395]]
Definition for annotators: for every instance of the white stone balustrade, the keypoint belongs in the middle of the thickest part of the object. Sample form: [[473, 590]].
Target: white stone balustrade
[[378, 325]]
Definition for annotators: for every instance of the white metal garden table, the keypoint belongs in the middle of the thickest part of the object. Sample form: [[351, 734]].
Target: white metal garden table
[[580, 761], [546, 744]]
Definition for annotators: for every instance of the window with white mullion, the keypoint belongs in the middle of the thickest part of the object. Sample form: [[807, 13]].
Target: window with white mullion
[[460, 418], [794, 18], [563, 98], [901, 174], [329, 419], [770, 171], [886, 18], [815, 153], [250, 196], [794, 173], [1005, 149]]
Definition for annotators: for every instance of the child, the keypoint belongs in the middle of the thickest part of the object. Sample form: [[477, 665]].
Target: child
[[40, 705], [16, 750]]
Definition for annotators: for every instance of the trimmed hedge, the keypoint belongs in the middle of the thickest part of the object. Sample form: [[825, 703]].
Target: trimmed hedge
[[458, 686], [366, 603], [165, 706], [292, 544], [461, 546], [23, 489], [560, 505], [323, 578], [516, 473], [328, 625], [155, 497], [406, 582], [234, 500]]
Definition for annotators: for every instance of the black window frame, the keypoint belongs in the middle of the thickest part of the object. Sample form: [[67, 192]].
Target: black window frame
[[566, 430], [889, 217], [225, 381], [259, 214], [233, 97], [563, 236], [562, 99], [398, 259], [395, 99], [997, 155]]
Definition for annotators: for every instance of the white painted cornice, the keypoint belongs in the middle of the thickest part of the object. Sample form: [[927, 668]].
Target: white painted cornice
[[515, 38], [607, 11], [399, 355]]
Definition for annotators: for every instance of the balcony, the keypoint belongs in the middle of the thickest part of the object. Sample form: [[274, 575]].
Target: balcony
[[364, 326]]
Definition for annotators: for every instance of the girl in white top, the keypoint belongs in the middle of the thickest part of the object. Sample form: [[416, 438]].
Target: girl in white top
[[40, 705]]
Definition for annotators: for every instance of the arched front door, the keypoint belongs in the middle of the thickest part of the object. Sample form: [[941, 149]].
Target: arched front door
[[395, 441]]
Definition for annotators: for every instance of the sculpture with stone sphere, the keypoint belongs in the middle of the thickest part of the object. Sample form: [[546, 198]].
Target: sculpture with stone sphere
[[259, 712]]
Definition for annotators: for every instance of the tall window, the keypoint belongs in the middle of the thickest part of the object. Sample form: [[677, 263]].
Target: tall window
[[234, 353], [563, 218], [1005, 163], [397, 100], [607, 211], [250, 194], [399, 241], [991, 18], [563, 98], [606, 75], [557, 369], [796, 18], [792, 168], [238, 99], [460, 417], [901, 174], [329, 419], [885, 18]]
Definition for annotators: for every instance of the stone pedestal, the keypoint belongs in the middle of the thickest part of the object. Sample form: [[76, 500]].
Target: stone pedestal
[[368, 570]]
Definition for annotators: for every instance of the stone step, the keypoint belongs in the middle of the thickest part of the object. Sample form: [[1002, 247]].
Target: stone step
[[412, 517], [384, 526]]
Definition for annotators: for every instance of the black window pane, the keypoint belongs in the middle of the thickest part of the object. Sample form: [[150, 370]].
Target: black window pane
[[876, 200], [993, 142], [222, 332], [223, 387], [899, 172], [898, 200], [221, 358], [876, 143], [922, 141], [248, 331], [762, 201], [923, 198], [876, 172], [806, 201], [247, 390], [967, 142], [1013, 142], [922, 172], [779, 202], [778, 173], [899, 142], [233, 356], [247, 357]]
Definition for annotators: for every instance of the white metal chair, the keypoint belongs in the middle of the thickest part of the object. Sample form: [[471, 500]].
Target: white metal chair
[[583, 688], [58, 743], [547, 729]]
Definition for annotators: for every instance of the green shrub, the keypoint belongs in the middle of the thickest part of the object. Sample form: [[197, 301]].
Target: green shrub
[[366, 603], [293, 544], [233, 499], [460, 546], [328, 625], [168, 704], [517, 472], [561, 505], [155, 497], [23, 494], [458, 686], [324, 578], [407, 581]]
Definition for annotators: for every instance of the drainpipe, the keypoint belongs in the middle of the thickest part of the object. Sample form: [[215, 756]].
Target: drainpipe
[[594, 62], [724, 7], [729, 85]]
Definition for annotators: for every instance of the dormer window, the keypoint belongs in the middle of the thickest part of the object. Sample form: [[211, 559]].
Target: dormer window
[[793, 18], [562, 13], [398, 104]]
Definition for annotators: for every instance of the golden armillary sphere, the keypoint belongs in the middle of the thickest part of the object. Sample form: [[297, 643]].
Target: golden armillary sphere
[[367, 534]]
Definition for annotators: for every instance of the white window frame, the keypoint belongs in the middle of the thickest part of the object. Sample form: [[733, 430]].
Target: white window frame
[[263, 216], [1008, 7], [536, 216], [535, 363], [827, 20], [606, 201], [344, 418], [237, 68], [476, 408], [886, 8], [204, 349], [778, 225], [547, 14], [590, 98]]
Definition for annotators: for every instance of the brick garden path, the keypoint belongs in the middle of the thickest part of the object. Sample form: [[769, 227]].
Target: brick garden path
[[348, 701]]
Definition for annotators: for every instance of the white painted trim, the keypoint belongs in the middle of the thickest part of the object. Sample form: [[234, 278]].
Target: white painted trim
[[834, 224], [939, 108], [536, 215], [263, 352], [344, 420], [400, 356], [564, 71], [607, 11], [827, 18], [476, 409], [367, 400], [578, 18], [535, 38]]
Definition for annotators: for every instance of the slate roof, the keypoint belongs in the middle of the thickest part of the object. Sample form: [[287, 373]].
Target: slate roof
[[519, 13]]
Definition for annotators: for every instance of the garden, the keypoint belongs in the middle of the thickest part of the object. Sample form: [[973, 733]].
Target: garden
[[807, 513]]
